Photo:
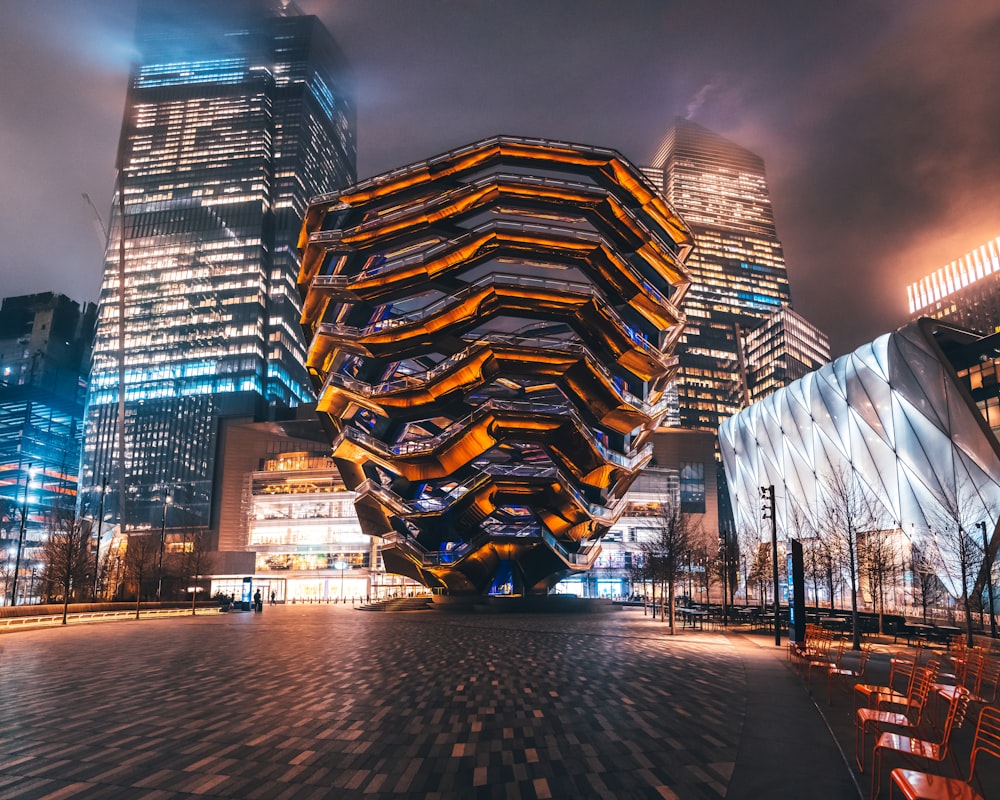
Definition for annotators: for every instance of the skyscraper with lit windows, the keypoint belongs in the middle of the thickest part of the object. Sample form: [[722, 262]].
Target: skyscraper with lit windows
[[781, 349], [964, 292], [738, 276], [231, 117]]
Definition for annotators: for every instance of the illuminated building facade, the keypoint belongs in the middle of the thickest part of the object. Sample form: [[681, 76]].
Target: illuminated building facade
[[491, 333], [45, 342], [908, 417], [781, 349], [682, 471], [308, 541], [738, 275], [965, 292], [235, 116]]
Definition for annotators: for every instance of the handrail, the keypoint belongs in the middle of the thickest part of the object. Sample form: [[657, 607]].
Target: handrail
[[569, 235], [405, 507], [434, 558], [425, 378], [353, 332], [91, 616], [459, 427]]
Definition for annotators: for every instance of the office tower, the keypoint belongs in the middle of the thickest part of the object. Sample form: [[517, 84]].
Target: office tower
[[781, 349], [737, 267], [236, 114], [965, 292], [491, 337], [45, 342]]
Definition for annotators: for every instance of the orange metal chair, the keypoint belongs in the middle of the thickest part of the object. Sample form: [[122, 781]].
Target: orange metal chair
[[902, 666], [916, 785], [816, 647], [825, 664], [873, 720], [914, 749], [887, 699], [987, 686], [847, 673]]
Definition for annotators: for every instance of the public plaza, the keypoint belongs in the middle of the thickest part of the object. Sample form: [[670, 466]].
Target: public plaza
[[326, 701]]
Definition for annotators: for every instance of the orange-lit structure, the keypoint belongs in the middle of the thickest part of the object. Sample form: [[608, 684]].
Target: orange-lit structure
[[490, 335]]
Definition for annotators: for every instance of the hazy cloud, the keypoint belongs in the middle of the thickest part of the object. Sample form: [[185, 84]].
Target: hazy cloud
[[878, 121]]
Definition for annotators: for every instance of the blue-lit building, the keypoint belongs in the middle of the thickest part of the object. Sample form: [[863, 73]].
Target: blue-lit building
[[236, 114], [45, 342]]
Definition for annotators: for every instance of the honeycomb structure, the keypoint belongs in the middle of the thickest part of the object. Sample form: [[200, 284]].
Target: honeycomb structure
[[490, 336]]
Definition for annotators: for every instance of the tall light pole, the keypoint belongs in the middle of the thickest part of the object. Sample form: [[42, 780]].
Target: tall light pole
[[163, 541], [97, 548], [767, 497], [988, 567], [341, 565], [20, 536], [724, 543]]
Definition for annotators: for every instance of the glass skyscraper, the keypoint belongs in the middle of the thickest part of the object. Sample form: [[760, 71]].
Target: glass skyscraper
[[737, 268], [45, 342], [231, 118]]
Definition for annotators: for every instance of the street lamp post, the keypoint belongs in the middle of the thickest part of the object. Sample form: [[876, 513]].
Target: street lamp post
[[342, 567], [767, 495], [163, 540], [20, 536], [97, 548], [988, 567], [724, 541]]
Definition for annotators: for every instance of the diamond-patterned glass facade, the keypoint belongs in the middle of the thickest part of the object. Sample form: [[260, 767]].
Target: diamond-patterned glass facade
[[898, 415]]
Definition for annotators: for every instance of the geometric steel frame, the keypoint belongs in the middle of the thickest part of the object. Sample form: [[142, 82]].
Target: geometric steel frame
[[894, 414], [490, 338]]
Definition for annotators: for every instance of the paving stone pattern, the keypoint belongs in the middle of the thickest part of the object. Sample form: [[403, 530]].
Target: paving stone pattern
[[327, 702]]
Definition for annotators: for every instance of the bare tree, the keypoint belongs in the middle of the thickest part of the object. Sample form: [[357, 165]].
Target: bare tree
[[958, 552], [927, 588], [848, 510], [747, 545], [141, 556], [880, 566], [67, 558], [10, 515], [759, 571], [674, 532], [196, 559]]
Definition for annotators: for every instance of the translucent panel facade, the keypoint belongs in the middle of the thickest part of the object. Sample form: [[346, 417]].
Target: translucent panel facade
[[894, 414], [231, 124], [491, 333]]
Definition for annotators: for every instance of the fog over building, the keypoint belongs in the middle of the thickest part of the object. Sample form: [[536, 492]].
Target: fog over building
[[227, 112], [738, 275], [965, 292]]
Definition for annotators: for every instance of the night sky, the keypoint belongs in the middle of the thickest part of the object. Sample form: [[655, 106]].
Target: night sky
[[879, 121]]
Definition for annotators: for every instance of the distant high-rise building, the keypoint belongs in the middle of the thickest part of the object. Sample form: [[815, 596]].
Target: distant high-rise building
[[738, 276], [45, 342], [236, 114], [782, 349], [965, 292]]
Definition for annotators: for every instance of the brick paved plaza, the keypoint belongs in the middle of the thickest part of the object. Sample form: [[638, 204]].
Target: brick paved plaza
[[329, 702]]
